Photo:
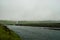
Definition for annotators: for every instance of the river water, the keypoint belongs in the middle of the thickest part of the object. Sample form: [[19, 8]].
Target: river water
[[35, 33]]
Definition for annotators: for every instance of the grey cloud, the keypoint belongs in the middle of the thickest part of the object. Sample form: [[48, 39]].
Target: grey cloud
[[30, 9]]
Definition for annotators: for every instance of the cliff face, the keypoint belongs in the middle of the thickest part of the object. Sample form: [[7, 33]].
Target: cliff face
[[7, 34]]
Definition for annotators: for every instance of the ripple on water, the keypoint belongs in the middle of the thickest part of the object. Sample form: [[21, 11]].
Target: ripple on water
[[36, 33]]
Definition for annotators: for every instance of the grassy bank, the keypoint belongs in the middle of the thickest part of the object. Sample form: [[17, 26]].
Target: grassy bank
[[32, 23], [42, 24], [7, 34]]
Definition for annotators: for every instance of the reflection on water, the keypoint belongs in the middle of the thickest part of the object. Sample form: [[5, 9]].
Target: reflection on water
[[35, 33]]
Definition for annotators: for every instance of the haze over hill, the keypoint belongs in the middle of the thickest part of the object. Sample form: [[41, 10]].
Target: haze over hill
[[30, 10]]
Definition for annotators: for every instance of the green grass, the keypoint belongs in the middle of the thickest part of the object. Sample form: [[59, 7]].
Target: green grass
[[6, 34], [40, 23], [32, 23], [7, 22]]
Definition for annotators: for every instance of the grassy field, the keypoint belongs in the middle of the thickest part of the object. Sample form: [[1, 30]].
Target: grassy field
[[7, 34], [32, 23], [7, 22], [40, 23]]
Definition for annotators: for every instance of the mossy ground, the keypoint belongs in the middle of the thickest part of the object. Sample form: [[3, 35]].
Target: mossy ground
[[6, 34]]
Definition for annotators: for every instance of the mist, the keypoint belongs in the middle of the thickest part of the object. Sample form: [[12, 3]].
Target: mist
[[30, 10]]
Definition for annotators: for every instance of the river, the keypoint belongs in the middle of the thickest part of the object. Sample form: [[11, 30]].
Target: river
[[35, 33]]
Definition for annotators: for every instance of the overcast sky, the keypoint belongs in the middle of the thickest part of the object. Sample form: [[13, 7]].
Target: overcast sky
[[30, 10]]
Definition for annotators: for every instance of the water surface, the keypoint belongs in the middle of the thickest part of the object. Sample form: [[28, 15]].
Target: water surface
[[35, 33]]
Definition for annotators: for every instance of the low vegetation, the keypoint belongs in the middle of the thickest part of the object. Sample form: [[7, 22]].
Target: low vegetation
[[42, 24], [7, 34], [32, 23]]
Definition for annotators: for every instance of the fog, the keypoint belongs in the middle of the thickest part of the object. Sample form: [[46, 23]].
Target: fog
[[35, 10]]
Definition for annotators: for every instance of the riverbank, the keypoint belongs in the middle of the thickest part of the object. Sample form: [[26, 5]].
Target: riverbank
[[7, 34], [32, 23], [57, 25]]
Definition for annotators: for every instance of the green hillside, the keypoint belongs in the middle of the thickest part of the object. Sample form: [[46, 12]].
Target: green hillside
[[7, 22], [48, 23]]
